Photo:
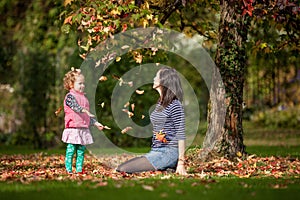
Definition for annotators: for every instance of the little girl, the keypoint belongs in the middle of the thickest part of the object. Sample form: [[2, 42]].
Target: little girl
[[77, 120]]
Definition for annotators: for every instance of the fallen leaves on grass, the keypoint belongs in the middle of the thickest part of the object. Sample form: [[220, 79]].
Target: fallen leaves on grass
[[272, 166], [40, 166]]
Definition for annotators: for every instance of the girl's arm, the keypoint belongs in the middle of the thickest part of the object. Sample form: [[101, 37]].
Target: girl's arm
[[180, 165], [73, 104]]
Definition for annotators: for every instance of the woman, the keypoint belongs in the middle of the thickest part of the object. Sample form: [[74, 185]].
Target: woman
[[168, 141]]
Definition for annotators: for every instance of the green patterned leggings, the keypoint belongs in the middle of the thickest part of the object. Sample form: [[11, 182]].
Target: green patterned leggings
[[71, 149]]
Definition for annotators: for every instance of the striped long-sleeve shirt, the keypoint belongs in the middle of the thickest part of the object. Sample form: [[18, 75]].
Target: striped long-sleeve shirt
[[169, 121]]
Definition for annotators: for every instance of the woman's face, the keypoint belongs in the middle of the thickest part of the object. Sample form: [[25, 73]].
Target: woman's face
[[79, 84], [156, 81]]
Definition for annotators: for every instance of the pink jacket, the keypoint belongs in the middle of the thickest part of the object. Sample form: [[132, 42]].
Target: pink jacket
[[74, 119]]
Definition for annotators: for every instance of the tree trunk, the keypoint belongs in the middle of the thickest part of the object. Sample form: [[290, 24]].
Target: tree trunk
[[224, 135]]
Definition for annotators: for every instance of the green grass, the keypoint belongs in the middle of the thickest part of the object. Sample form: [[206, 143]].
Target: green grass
[[222, 188], [258, 140], [280, 151]]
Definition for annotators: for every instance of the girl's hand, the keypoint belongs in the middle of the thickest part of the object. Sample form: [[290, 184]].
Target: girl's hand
[[99, 126]]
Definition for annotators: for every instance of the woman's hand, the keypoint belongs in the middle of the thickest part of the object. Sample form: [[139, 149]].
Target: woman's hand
[[180, 168]]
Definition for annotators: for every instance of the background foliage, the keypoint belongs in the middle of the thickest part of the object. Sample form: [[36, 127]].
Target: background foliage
[[41, 40]]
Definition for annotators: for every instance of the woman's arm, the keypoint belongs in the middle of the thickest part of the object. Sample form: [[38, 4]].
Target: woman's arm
[[180, 165]]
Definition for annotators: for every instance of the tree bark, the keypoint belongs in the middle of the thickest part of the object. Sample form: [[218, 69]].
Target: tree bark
[[224, 135]]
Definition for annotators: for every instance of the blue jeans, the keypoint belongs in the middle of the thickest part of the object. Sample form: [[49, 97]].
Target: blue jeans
[[163, 157]]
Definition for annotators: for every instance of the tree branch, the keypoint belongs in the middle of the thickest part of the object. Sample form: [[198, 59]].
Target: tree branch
[[169, 10]]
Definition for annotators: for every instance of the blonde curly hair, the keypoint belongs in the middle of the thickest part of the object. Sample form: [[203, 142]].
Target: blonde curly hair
[[70, 78]]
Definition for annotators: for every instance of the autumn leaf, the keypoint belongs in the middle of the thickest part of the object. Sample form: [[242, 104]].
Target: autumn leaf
[[103, 78], [130, 114], [68, 20], [161, 136], [132, 106], [139, 91], [125, 130], [67, 2], [106, 127], [126, 104], [148, 187], [118, 59], [102, 104], [58, 110], [125, 47]]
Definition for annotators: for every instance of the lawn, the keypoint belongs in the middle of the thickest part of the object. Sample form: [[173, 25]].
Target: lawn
[[272, 171]]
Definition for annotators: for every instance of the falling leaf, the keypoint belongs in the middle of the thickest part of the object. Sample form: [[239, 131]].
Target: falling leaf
[[126, 104], [58, 110], [116, 77], [125, 47], [139, 91], [103, 78], [130, 114], [118, 59], [125, 130], [102, 104], [130, 83]]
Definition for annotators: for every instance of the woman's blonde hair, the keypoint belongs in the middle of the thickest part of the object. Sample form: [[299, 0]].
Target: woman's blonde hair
[[70, 78]]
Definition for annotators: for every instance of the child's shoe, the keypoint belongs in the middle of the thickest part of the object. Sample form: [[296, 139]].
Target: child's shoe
[[81, 173]]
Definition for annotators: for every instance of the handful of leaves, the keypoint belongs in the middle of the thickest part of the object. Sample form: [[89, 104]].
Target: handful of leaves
[[161, 136]]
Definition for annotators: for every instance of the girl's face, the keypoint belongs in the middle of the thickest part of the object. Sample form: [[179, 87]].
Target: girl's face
[[79, 83]]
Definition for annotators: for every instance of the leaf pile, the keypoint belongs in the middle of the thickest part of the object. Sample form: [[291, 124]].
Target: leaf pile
[[252, 166], [40, 166]]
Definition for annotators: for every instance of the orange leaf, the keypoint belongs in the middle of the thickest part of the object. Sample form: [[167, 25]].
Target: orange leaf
[[58, 110], [68, 20]]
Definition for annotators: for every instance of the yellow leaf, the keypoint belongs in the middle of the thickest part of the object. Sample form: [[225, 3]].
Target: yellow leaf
[[118, 59], [102, 104], [239, 154], [115, 12], [145, 23], [66, 2], [149, 17], [263, 45]]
